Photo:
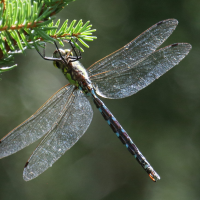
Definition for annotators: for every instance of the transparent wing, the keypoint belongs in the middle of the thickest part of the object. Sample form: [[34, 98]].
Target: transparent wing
[[139, 48], [72, 124], [125, 82], [37, 125], [131, 54]]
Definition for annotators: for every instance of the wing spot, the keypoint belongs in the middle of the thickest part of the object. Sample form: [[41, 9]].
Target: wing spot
[[173, 45], [159, 23], [26, 164]]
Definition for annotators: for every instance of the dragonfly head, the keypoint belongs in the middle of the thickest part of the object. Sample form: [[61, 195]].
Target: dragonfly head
[[65, 53]]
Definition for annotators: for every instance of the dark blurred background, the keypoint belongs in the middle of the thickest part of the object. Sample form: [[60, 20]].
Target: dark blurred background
[[163, 119]]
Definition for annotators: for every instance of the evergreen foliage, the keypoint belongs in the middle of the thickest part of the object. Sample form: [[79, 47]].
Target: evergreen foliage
[[29, 23]]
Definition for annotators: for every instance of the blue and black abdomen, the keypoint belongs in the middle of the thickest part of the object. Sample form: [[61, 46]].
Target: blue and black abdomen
[[124, 137]]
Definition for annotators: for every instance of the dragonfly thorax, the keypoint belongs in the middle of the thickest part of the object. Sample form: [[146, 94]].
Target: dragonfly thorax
[[75, 72], [79, 75]]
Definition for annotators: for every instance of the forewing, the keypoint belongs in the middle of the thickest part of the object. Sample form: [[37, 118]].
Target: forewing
[[139, 48], [72, 124], [124, 83], [35, 126]]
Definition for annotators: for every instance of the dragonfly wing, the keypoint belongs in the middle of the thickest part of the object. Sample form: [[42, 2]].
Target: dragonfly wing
[[139, 48], [129, 80], [129, 56], [72, 124], [35, 126]]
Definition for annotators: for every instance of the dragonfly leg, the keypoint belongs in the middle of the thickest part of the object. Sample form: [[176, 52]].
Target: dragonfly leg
[[47, 58]]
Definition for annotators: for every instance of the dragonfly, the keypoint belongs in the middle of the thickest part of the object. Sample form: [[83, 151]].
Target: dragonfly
[[66, 116]]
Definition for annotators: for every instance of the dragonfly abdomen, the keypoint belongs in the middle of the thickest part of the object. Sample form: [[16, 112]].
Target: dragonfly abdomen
[[124, 137]]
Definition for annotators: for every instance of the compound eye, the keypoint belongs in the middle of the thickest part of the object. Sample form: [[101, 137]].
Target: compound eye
[[68, 52], [56, 54]]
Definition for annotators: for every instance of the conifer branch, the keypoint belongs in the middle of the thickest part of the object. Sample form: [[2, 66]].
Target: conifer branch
[[28, 23]]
